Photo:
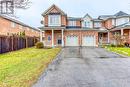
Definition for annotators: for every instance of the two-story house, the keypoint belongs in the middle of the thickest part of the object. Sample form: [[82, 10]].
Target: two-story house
[[10, 26], [117, 23], [62, 30]]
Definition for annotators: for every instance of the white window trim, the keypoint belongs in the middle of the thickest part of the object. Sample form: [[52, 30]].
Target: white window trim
[[72, 23], [54, 24], [13, 24], [97, 24], [20, 27]]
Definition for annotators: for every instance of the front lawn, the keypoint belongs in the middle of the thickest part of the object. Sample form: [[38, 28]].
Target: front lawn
[[120, 50], [22, 68]]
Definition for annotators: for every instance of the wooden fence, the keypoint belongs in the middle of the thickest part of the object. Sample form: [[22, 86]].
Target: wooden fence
[[12, 43]]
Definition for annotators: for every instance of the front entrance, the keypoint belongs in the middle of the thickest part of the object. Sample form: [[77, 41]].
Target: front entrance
[[88, 41], [72, 41]]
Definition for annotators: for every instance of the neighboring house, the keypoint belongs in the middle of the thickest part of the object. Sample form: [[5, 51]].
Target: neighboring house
[[118, 23], [9, 26], [61, 30]]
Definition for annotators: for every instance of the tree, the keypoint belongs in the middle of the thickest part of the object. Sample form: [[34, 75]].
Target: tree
[[21, 4], [119, 39], [8, 6]]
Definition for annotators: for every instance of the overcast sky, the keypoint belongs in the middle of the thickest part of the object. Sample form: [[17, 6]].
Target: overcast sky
[[74, 8]]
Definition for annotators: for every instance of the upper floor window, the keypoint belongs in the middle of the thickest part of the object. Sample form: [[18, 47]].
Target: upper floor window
[[121, 21], [13, 24], [72, 23], [28, 28], [87, 24], [54, 20], [97, 24], [20, 27]]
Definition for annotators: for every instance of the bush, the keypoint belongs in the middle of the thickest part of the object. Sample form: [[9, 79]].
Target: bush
[[112, 45], [126, 44], [120, 45], [39, 45]]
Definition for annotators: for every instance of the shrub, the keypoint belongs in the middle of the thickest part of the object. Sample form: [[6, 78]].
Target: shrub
[[112, 45], [126, 44], [39, 45], [120, 45]]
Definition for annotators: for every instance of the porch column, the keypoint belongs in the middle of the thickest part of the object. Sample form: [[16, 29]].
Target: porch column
[[129, 34], [108, 36], [52, 38], [62, 37], [41, 36], [122, 32]]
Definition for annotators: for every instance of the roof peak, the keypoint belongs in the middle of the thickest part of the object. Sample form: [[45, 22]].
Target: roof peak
[[51, 8], [120, 13]]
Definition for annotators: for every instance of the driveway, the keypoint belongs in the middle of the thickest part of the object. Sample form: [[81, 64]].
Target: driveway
[[87, 67]]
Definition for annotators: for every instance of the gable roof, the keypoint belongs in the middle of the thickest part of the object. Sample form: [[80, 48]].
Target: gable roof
[[51, 8], [117, 15], [121, 13], [17, 22], [88, 16]]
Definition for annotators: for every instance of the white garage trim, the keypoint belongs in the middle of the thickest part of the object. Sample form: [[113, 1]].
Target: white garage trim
[[88, 40], [72, 41]]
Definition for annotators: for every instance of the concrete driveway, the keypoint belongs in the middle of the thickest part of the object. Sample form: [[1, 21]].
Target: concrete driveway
[[87, 67]]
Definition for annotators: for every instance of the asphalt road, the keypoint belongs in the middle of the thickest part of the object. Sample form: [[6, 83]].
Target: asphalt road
[[87, 67]]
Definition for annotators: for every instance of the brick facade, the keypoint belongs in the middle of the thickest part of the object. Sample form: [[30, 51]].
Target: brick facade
[[6, 28], [105, 32]]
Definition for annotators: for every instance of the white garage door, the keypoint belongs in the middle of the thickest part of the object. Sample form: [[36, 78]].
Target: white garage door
[[88, 41], [72, 41]]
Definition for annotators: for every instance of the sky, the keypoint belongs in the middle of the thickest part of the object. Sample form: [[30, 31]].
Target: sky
[[73, 8]]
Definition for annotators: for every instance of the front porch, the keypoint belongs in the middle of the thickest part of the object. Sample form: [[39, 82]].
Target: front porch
[[124, 34], [54, 37]]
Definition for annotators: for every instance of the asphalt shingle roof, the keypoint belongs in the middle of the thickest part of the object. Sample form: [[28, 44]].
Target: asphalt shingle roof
[[18, 22]]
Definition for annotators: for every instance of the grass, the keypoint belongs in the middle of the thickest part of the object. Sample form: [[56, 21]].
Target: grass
[[121, 50], [22, 68]]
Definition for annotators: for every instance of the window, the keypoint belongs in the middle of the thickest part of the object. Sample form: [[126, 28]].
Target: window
[[121, 21], [49, 38], [20, 26], [72, 23], [87, 24], [97, 24], [28, 28], [59, 41], [54, 20], [13, 24]]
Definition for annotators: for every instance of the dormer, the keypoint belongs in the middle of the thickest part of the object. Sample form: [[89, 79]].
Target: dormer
[[54, 17], [87, 21]]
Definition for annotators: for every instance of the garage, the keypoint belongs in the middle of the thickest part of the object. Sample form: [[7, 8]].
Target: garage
[[88, 41], [72, 41]]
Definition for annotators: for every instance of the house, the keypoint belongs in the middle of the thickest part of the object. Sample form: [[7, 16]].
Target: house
[[9, 26], [62, 30], [118, 23]]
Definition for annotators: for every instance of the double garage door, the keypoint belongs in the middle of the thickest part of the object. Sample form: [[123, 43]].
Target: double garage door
[[86, 41]]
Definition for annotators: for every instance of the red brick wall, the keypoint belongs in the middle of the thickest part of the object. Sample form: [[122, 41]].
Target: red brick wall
[[63, 20], [78, 23], [108, 23], [6, 28], [57, 34]]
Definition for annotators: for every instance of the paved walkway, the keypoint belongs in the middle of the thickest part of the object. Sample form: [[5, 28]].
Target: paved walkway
[[87, 67]]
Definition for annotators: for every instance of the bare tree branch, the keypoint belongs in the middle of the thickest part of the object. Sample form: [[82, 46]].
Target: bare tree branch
[[11, 5], [22, 4]]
